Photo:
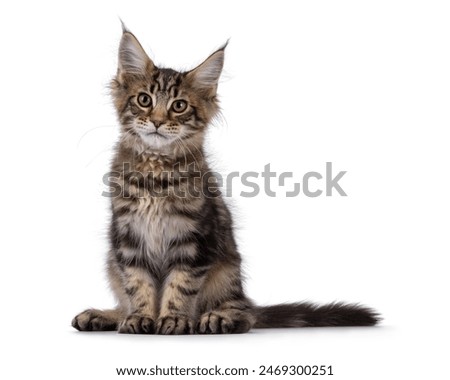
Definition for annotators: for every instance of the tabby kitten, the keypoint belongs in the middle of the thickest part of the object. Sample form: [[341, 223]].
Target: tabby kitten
[[173, 263]]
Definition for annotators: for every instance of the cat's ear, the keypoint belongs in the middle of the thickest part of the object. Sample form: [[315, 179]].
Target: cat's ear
[[206, 75], [132, 57]]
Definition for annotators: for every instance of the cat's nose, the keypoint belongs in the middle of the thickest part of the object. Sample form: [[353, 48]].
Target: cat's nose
[[157, 123]]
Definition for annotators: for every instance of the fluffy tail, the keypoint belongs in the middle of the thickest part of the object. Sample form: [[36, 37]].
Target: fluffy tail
[[307, 314]]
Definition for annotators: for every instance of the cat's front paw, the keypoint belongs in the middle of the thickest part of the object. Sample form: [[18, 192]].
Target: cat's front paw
[[95, 320], [174, 325], [137, 324], [224, 322]]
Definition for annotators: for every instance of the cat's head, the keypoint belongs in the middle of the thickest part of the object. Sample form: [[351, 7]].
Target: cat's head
[[161, 109]]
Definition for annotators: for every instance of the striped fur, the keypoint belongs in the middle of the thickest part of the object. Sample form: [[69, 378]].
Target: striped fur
[[173, 263]]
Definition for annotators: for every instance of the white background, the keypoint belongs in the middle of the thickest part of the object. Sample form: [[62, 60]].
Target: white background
[[364, 85]]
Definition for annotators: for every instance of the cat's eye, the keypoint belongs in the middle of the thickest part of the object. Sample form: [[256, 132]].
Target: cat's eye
[[144, 100], [179, 105]]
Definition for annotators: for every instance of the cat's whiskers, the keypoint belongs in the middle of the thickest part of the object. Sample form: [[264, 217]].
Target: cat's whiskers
[[180, 145], [196, 147], [193, 155]]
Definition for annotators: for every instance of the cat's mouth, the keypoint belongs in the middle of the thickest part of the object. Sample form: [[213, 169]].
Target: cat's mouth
[[155, 134]]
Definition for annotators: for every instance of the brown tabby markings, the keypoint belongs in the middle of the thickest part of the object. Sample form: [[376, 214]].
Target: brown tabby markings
[[173, 264]]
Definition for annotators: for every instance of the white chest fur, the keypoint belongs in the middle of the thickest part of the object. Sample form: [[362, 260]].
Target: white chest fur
[[155, 228]]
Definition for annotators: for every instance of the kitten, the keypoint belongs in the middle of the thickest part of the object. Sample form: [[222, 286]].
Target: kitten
[[173, 264]]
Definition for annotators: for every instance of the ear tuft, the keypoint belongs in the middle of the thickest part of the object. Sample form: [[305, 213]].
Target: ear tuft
[[132, 57], [124, 27]]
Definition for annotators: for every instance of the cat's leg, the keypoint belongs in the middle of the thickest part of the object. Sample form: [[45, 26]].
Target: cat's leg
[[141, 291], [136, 293], [179, 298], [224, 307], [98, 320], [132, 283], [105, 320]]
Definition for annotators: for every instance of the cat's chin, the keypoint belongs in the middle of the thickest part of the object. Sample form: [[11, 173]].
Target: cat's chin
[[156, 140]]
